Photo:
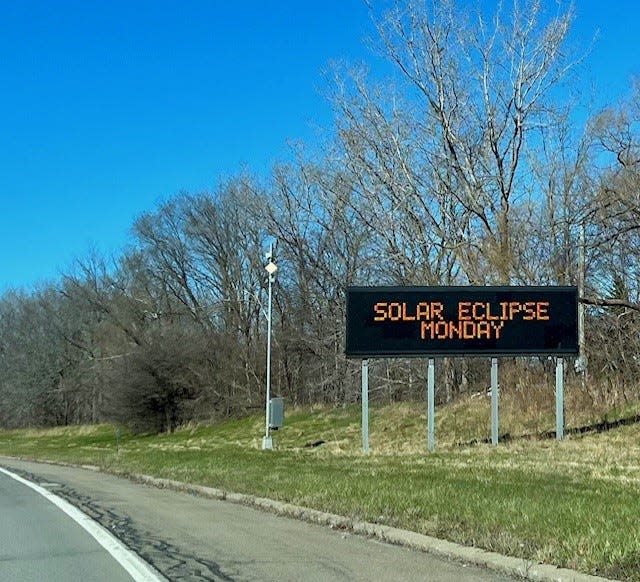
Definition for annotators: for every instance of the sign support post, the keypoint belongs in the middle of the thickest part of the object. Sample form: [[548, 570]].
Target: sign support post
[[494, 401], [431, 428], [559, 399], [365, 406]]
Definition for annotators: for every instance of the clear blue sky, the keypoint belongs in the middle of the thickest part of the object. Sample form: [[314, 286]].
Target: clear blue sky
[[108, 107]]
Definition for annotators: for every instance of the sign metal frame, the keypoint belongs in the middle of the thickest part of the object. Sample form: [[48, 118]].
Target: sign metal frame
[[552, 331]]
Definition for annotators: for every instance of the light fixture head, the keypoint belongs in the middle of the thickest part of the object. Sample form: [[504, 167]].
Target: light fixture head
[[271, 268]]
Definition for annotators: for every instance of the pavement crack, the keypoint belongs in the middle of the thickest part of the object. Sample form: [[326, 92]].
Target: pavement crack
[[171, 561]]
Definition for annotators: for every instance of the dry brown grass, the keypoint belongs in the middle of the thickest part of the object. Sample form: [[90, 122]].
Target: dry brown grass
[[572, 503]]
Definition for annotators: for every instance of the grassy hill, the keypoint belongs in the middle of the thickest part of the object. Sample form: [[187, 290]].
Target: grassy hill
[[573, 503]]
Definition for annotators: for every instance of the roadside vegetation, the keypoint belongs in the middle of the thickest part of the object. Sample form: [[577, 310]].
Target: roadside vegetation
[[573, 503], [477, 160], [472, 162]]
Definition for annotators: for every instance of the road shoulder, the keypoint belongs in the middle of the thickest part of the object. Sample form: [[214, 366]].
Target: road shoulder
[[510, 566]]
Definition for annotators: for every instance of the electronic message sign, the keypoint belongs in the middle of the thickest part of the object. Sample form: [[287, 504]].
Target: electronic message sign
[[491, 321]]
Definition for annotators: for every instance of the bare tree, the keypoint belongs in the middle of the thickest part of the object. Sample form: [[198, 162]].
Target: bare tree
[[480, 89], [322, 248]]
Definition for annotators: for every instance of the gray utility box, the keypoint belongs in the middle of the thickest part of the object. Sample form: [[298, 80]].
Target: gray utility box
[[276, 413]]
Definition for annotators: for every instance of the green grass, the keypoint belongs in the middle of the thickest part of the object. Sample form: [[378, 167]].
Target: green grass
[[574, 504]]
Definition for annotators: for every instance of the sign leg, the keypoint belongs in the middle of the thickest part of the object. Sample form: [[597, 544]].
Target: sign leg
[[559, 399], [494, 401], [365, 406], [431, 428]]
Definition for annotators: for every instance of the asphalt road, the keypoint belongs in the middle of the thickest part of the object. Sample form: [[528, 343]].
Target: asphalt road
[[191, 538], [38, 541]]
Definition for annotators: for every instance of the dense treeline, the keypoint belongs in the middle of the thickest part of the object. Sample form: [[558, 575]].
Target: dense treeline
[[475, 166]]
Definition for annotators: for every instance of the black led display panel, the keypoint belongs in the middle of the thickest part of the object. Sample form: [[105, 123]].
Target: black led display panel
[[424, 321]]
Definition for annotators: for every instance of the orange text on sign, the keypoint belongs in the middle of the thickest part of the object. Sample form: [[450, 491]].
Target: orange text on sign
[[475, 319], [506, 311], [396, 311]]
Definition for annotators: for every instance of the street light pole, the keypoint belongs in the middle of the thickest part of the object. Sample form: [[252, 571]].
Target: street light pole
[[271, 268]]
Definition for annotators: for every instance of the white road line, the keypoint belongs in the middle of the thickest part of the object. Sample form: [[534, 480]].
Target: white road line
[[139, 570]]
